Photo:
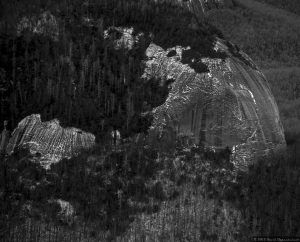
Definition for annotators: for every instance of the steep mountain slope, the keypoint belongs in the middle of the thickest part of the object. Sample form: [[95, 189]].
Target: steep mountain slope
[[177, 92], [208, 90], [66, 71]]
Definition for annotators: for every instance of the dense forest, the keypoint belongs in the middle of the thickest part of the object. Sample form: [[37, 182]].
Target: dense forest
[[71, 72], [135, 193]]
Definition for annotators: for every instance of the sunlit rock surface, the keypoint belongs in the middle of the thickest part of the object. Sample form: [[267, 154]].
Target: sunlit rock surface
[[214, 102], [49, 139], [229, 105]]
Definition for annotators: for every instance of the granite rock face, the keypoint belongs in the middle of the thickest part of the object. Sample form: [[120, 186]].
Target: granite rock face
[[48, 139], [217, 96], [214, 102], [230, 105]]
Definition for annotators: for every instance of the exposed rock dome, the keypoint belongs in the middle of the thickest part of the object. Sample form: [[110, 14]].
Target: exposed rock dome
[[228, 105], [217, 97]]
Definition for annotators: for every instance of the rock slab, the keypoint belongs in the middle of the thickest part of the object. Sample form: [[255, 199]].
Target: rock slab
[[48, 139]]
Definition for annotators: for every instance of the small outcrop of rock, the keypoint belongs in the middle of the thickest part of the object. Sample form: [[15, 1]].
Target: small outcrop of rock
[[4, 137], [122, 38], [66, 212], [48, 139]]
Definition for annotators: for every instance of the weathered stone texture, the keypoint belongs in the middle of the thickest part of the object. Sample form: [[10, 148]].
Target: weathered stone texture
[[52, 141]]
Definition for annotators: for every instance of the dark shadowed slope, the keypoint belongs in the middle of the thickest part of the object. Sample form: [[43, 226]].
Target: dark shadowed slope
[[269, 40], [289, 5], [270, 10]]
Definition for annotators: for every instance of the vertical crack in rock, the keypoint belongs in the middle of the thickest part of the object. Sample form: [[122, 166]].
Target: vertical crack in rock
[[49, 139]]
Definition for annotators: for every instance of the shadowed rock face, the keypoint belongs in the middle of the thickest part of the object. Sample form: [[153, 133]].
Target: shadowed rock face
[[49, 139]]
